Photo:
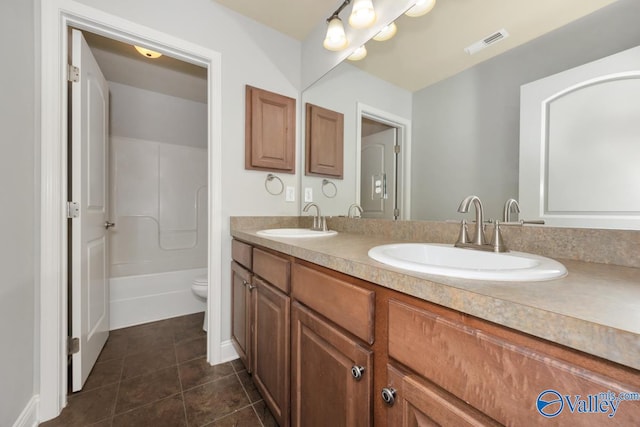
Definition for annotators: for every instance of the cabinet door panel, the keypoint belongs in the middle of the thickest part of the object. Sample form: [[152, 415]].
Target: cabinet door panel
[[241, 308], [271, 349], [270, 130], [420, 403], [324, 391]]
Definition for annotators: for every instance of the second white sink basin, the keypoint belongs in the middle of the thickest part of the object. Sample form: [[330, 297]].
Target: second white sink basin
[[447, 260], [295, 232]]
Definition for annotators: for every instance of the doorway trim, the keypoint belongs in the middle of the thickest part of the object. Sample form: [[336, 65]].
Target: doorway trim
[[56, 17], [404, 140]]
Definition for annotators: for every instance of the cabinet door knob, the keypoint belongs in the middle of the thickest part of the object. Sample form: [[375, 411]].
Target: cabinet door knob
[[357, 372], [389, 395], [108, 224]]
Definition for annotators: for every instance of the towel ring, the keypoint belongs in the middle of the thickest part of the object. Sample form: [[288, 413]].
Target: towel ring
[[326, 182], [271, 177]]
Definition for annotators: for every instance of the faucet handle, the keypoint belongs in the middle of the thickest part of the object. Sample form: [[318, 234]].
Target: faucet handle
[[463, 236], [496, 239]]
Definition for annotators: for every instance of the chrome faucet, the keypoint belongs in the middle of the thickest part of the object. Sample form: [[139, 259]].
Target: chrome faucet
[[510, 206], [319, 223], [479, 238], [357, 208]]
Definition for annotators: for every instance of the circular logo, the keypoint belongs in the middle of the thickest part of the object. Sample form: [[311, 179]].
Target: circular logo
[[549, 403]]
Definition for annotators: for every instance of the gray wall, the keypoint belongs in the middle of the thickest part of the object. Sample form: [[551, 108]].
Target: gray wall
[[152, 116], [18, 189], [466, 128]]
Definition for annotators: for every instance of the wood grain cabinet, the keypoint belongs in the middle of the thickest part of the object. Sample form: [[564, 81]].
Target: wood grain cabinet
[[332, 361], [332, 374], [271, 329], [469, 369], [242, 313], [270, 131], [242, 301], [324, 133]]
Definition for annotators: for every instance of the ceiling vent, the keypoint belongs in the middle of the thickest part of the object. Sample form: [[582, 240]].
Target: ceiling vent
[[490, 39]]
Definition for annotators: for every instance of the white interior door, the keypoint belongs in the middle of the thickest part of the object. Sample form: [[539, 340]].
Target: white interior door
[[378, 175], [89, 231]]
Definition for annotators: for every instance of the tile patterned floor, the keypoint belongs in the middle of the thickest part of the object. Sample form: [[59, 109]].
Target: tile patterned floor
[[156, 375]]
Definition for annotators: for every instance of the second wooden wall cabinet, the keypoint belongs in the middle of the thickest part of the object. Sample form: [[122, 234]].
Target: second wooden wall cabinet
[[270, 131], [324, 142]]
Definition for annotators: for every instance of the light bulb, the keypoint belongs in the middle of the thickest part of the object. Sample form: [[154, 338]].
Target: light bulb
[[148, 53], [358, 54], [362, 15], [386, 32], [422, 7], [336, 38]]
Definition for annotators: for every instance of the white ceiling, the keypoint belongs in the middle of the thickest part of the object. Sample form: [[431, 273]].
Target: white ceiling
[[429, 48]]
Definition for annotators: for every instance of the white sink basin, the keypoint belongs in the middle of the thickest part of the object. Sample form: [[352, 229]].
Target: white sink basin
[[295, 232], [447, 260]]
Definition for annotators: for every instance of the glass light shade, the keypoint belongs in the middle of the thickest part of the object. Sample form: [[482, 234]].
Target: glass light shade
[[358, 54], [362, 15], [422, 7], [148, 53], [336, 38], [386, 33]]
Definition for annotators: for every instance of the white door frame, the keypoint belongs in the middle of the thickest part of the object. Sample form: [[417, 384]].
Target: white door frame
[[404, 140], [56, 17]]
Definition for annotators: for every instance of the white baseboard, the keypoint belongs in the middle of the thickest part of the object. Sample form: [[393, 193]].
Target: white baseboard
[[150, 297], [29, 415], [227, 351]]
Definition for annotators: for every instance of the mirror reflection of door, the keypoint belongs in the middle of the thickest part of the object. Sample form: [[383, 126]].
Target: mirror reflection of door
[[379, 170]]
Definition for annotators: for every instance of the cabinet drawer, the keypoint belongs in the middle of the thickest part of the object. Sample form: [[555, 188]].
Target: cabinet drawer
[[272, 268], [500, 378], [241, 253], [347, 305]]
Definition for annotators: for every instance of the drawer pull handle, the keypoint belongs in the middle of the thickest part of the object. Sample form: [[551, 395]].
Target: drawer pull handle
[[357, 372], [389, 395]]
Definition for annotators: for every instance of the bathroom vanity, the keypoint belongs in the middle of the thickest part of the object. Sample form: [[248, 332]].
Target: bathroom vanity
[[335, 338]]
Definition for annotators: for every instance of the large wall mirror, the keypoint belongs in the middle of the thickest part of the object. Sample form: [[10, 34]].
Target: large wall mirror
[[463, 132]]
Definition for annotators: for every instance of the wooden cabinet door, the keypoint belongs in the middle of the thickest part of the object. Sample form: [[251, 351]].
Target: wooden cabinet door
[[270, 131], [420, 403], [324, 142], [241, 309], [271, 348], [324, 390]]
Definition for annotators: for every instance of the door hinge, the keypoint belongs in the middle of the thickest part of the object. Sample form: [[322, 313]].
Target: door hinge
[[73, 209], [73, 73], [73, 345], [396, 149], [396, 213]]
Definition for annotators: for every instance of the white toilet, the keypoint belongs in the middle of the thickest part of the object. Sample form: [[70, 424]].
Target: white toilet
[[200, 287]]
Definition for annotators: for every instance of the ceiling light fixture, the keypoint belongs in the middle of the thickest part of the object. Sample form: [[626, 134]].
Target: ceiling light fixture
[[148, 53], [386, 32], [362, 14], [421, 7], [336, 38], [358, 54]]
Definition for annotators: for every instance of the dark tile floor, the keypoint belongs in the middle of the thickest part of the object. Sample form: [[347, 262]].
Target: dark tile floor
[[156, 374]]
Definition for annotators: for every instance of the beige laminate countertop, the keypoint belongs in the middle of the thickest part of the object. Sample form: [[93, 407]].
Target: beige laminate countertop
[[595, 308]]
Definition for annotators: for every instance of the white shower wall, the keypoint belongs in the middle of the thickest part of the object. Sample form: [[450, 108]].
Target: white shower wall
[[159, 244]]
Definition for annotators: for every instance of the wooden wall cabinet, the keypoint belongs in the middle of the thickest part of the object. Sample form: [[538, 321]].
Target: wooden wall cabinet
[[324, 142], [270, 131]]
